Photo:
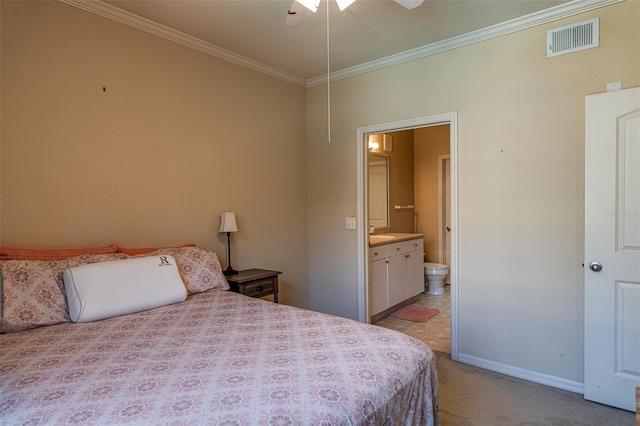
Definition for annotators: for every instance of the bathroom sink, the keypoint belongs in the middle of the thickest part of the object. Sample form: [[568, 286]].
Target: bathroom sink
[[380, 238]]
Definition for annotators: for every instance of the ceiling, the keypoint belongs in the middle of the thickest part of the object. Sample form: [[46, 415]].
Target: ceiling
[[368, 30]]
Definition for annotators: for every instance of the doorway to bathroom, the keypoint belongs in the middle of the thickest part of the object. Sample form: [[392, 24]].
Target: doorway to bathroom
[[435, 189], [417, 187]]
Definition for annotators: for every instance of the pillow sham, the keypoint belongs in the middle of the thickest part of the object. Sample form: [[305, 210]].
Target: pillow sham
[[33, 290], [199, 268], [109, 289], [27, 253]]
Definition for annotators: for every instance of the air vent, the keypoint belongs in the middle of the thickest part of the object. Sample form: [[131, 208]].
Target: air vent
[[573, 38]]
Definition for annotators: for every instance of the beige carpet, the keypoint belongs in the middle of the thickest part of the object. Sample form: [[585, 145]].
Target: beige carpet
[[473, 396]]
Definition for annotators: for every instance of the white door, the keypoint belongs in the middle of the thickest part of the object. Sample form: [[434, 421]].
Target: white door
[[612, 248], [444, 211]]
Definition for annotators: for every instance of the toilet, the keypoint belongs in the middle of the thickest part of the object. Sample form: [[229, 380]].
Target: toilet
[[434, 274]]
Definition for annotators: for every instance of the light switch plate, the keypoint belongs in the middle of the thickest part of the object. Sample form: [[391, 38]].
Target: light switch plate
[[351, 223], [614, 86]]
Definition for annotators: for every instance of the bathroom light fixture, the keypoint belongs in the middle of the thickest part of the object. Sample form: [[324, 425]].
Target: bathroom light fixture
[[372, 142], [228, 225]]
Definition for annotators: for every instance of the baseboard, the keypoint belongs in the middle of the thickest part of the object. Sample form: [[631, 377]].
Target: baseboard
[[521, 373], [379, 316]]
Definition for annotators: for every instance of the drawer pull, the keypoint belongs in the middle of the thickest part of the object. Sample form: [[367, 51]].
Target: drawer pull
[[259, 288]]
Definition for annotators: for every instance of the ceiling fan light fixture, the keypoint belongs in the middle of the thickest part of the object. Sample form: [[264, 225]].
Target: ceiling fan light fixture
[[343, 4], [312, 5]]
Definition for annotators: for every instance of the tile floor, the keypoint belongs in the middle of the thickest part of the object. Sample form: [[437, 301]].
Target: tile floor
[[435, 332]]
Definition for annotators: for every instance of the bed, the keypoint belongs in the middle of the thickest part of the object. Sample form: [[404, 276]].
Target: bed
[[217, 358]]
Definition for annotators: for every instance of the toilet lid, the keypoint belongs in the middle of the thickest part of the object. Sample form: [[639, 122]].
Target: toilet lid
[[435, 265]]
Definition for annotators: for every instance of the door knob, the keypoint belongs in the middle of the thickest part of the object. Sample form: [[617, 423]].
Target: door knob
[[595, 266], [448, 228]]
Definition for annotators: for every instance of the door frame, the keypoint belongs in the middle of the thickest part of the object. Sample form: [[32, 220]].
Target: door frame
[[362, 243], [442, 159]]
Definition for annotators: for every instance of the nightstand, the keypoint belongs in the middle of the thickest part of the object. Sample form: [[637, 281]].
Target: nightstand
[[255, 283]]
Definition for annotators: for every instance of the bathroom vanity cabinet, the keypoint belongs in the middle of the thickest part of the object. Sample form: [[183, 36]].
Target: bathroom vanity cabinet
[[396, 275]]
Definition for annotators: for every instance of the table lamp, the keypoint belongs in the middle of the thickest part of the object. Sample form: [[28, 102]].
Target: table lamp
[[228, 225]]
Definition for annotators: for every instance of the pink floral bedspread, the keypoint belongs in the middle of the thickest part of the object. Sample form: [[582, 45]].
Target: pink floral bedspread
[[221, 359]]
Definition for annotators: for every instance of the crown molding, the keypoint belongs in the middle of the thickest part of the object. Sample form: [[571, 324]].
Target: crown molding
[[537, 18], [152, 27]]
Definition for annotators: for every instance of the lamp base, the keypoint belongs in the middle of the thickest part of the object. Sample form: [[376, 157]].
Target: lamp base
[[229, 271]]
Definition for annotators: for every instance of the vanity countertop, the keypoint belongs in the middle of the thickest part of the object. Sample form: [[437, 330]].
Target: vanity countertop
[[396, 237]]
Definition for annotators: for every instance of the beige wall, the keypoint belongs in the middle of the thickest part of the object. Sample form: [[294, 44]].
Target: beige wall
[[429, 143], [1, 62], [521, 171], [176, 138]]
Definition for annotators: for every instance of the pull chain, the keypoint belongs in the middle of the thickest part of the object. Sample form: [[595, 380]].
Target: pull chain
[[328, 81]]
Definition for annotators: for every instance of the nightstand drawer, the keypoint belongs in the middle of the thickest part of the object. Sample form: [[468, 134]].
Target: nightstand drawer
[[261, 287], [255, 283]]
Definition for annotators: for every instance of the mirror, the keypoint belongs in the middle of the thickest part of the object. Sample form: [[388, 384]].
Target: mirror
[[378, 190]]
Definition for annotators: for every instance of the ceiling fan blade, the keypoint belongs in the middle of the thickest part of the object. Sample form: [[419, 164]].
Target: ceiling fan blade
[[343, 4], [409, 4], [312, 5], [297, 15]]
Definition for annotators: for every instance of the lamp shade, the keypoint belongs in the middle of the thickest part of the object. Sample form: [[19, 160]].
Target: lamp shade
[[228, 222]]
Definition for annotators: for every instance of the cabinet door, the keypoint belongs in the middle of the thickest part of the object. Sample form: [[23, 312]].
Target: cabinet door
[[415, 273], [397, 273], [378, 298]]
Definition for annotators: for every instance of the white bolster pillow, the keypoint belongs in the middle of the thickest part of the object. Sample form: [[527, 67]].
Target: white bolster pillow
[[108, 289]]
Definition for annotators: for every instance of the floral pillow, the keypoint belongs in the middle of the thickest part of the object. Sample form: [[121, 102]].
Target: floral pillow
[[199, 268], [33, 290]]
